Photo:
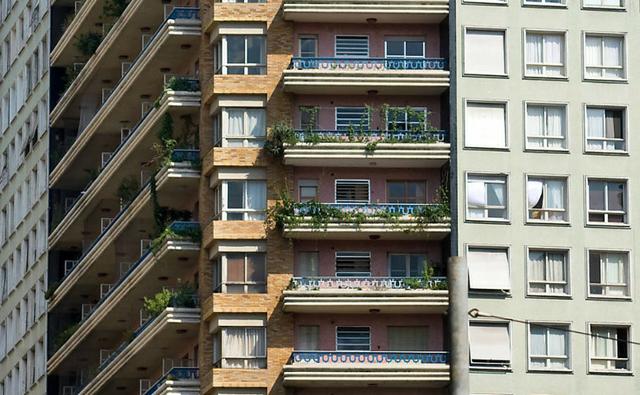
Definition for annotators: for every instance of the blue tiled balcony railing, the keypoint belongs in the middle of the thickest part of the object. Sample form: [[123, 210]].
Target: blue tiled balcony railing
[[367, 64], [410, 136], [185, 155], [175, 374], [360, 283], [369, 209], [368, 357], [184, 13]]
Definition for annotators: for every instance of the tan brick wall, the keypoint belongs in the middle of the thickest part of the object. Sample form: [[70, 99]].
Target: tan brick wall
[[233, 157]]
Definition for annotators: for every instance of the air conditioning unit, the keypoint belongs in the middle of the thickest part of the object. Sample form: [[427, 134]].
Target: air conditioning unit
[[124, 268], [124, 68], [77, 5], [87, 309], [69, 389], [104, 223], [69, 264], [104, 158], [145, 244], [145, 107], [146, 38], [106, 92], [104, 289], [124, 134]]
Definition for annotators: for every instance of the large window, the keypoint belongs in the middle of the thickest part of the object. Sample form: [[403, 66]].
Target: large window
[[487, 197], [488, 269], [309, 119], [548, 272], [605, 129], [484, 52], [609, 274], [604, 57], [485, 125], [307, 337], [240, 348], [353, 338], [407, 265], [607, 201], [352, 118], [240, 273], [549, 347], [399, 47], [408, 338], [241, 54], [241, 200], [545, 54], [308, 47], [352, 191], [547, 199], [307, 263], [546, 127], [353, 264], [406, 191], [352, 46], [308, 190], [490, 344], [603, 3], [609, 350], [404, 119], [240, 127]]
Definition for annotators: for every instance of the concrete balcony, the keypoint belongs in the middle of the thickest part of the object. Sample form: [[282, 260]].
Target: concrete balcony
[[403, 149], [162, 266], [177, 381], [361, 76], [363, 221], [364, 368], [361, 11], [165, 335], [357, 295]]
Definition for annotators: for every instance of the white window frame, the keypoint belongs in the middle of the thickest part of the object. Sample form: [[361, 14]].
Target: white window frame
[[352, 326], [604, 140], [590, 356], [352, 180], [566, 327], [222, 55], [466, 29], [604, 7], [545, 210], [606, 212], [625, 63], [628, 268], [404, 40], [495, 177], [403, 113], [223, 199], [220, 333], [468, 102], [407, 261], [546, 137], [307, 36], [567, 271], [565, 54]]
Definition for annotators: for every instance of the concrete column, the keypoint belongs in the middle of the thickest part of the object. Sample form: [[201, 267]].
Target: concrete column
[[458, 326]]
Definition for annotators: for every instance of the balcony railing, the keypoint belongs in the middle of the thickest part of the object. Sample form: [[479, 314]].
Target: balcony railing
[[400, 136], [367, 64], [177, 373], [368, 357], [368, 209], [366, 283], [185, 155]]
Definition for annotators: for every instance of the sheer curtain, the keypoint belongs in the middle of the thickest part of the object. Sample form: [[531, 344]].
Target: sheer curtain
[[593, 56], [235, 127], [535, 54], [557, 347], [534, 192], [603, 345], [556, 272], [555, 127], [538, 341], [555, 199], [256, 127], [307, 338], [536, 271], [595, 128], [256, 199], [243, 347], [612, 56], [554, 54], [615, 273], [535, 126]]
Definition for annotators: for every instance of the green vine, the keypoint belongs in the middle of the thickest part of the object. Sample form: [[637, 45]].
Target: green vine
[[181, 297], [88, 43], [280, 134], [167, 143], [128, 190], [193, 235]]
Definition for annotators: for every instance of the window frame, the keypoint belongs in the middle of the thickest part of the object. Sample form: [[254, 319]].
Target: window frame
[[222, 262], [625, 61], [546, 211], [567, 272], [352, 326], [223, 210], [565, 54], [622, 7], [406, 119], [504, 103], [629, 273], [346, 254], [307, 36], [404, 40], [353, 180], [407, 261], [490, 247], [610, 325], [544, 3], [222, 55], [544, 105], [494, 176], [220, 121], [424, 182], [465, 30], [627, 212], [494, 366], [547, 325], [625, 129], [218, 338], [368, 125]]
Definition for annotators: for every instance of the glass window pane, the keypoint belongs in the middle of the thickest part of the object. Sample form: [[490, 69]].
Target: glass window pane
[[235, 194], [397, 265], [235, 268], [256, 270], [596, 195], [615, 195], [395, 191], [256, 49], [416, 265], [308, 47], [395, 48], [235, 49], [415, 48]]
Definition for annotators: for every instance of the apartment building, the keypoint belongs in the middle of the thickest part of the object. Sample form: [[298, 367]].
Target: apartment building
[[545, 168], [24, 82]]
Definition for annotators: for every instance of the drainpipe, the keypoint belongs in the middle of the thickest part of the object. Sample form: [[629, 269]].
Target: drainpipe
[[458, 326]]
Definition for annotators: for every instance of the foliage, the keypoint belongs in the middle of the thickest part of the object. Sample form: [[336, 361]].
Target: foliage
[[128, 190], [181, 84], [114, 8], [191, 234], [167, 143], [88, 43], [280, 134], [426, 280], [184, 296], [70, 75], [62, 337], [51, 290]]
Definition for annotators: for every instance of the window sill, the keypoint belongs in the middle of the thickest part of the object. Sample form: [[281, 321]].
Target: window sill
[[549, 296], [473, 75], [488, 221], [606, 80], [489, 3], [611, 372], [603, 298], [565, 224], [606, 153], [547, 150], [545, 77], [550, 371], [550, 5], [506, 369], [607, 225], [490, 293], [500, 149], [596, 8]]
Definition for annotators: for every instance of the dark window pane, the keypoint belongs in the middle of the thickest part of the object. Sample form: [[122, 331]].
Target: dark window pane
[[255, 49], [235, 268], [594, 268], [395, 48], [614, 123], [235, 49], [415, 48], [596, 195], [235, 194], [615, 194]]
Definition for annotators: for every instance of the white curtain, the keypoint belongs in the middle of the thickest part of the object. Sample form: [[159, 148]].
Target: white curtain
[[612, 56], [257, 126], [535, 54], [537, 271], [535, 126], [554, 54], [556, 272], [241, 343], [485, 125], [538, 341], [88, 109], [534, 192], [257, 195], [593, 56], [603, 345], [235, 126], [488, 269], [555, 199], [555, 126], [615, 273], [595, 127], [557, 346]]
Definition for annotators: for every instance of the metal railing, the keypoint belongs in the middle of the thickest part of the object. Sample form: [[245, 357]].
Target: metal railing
[[370, 209], [176, 373], [369, 357], [361, 283], [185, 155], [373, 135], [367, 64]]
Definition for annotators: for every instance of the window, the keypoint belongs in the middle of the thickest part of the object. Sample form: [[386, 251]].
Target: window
[[307, 264], [485, 125], [307, 337], [353, 264], [604, 57], [547, 199], [353, 338], [607, 201], [407, 338], [604, 3], [404, 119], [243, 1], [242, 200], [240, 348], [487, 197], [352, 118], [406, 191], [549, 347], [490, 344], [546, 127], [352, 46], [545, 55], [488, 269], [407, 265], [484, 52], [241, 273], [545, 2], [609, 350], [308, 47], [548, 272], [352, 191], [308, 190], [241, 54], [243, 127], [398, 47], [309, 118], [609, 274], [605, 129]]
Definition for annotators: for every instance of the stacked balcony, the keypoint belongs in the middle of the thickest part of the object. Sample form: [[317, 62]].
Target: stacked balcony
[[125, 170]]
